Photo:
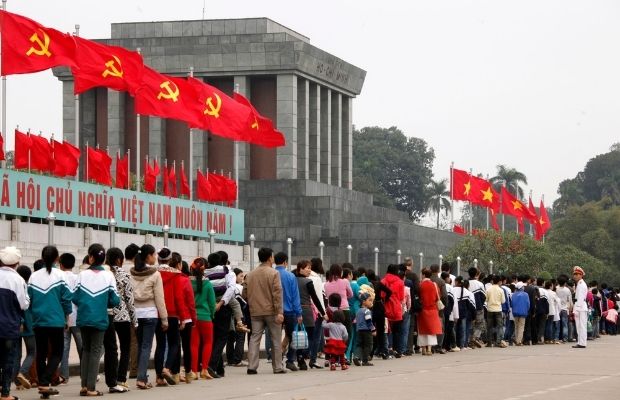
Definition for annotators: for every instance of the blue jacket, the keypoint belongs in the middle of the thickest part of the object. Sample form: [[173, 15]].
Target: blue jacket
[[291, 302], [520, 303], [363, 320], [13, 300]]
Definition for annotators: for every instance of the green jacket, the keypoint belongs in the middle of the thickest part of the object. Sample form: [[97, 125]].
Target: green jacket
[[205, 300]]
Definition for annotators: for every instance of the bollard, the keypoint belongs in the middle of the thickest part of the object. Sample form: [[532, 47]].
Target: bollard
[[289, 244], [421, 263], [211, 241], [377, 261], [321, 246], [476, 263], [112, 228], [398, 254], [491, 267], [166, 231], [440, 260], [349, 249], [458, 266], [252, 240], [50, 228]]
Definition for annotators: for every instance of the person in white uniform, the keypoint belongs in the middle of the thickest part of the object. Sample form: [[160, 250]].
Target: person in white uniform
[[581, 308]]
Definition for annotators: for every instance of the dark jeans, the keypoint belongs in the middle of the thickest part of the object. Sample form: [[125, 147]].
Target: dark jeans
[[509, 330], [110, 356], [405, 332], [74, 332], [541, 323], [24, 367], [461, 333], [449, 340], [315, 339], [234, 347], [92, 346], [170, 338], [7, 360], [290, 321], [221, 326], [145, 334], [186, 346], [364, 344], [528, 331], [564, 325], [378, 319], [494, 324], [123, 331], [48, 341], [397, 334]]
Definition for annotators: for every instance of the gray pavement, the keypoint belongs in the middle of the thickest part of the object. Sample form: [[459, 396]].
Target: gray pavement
[[547, 372]]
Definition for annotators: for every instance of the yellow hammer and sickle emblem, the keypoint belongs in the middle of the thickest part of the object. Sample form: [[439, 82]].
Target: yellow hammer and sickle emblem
[[44, 45], [255, 124], [170, 94], [111, 69], [211, 110]]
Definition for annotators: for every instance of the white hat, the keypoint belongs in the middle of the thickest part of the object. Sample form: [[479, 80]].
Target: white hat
[[519, 285], [10, 255]]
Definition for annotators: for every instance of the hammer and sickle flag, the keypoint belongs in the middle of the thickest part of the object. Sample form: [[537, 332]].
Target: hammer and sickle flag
[[220, 114], [259, 129], [168, 97], [28, 46], [98, 64]]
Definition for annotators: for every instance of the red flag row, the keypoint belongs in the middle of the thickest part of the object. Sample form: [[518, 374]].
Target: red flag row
[[28, 46], [34, 152], [480, 192]]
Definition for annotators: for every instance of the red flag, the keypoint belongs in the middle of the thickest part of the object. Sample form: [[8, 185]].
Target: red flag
[[41, 154], [168, 97], [184, 185], [543, 221], [260, 130], [220, 114], [483, 194], [494, 220], [98, 166], [122, 172], [172, 181], [203, 190], [66, 159], [108, 66], [461, 185], [150, 176], [2, 147], [22, 150], [536, 221], [28, 46], [164, 181], [222, 188], [458, 229]]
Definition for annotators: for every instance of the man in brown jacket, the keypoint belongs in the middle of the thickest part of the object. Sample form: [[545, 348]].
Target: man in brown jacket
[[263, 291]]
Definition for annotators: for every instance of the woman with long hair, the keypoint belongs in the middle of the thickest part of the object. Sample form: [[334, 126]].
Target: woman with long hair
[[429, 325], [316, 273], [202, 335], [311, 308], [50, 304], [95, 293], [186, 334], [148, 290]]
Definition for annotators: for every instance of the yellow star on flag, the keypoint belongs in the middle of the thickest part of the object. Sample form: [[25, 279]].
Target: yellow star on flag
[[467, 188], [516, 205], [541, 222], [487, 195]]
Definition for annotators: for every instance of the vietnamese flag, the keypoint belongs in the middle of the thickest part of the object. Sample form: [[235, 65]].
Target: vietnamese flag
[[2, 147], [66, 159], [483, 194], [259, 129], [98, 166], [108, 66], [493, 219], [168, 97], [122, 172], [184, 185], [22, 150], [458, 229], [536, 221], [41, 154], [222, 188], [544, 222], [28, 46], [164, 180], [203, 190], [461, 185], [150, 176], [172, 181], [220, 114]]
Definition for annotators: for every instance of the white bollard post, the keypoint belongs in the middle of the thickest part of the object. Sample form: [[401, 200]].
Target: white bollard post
[[252, 240], [458, 266], [112, 228], [398, 254], [349, 249], [166, 232], [211, 241], [50, 228], [377, 261], [289, 244], [321, 246]]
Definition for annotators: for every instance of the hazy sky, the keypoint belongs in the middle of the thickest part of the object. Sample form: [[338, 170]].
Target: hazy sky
[[534, 85]]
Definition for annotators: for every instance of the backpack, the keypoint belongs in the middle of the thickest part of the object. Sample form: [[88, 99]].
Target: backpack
[[480, 299], [506, 305]]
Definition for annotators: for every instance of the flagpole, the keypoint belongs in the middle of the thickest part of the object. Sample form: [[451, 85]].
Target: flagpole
[[29, 140], [451, 193], [4, 105], [77, 116], [138, 145], [531, 233], [471, 210], [542, 199], [128, 169], [190, 165], [488, 209], [501, 207], [174, 169], [86, 177], [236, 158]]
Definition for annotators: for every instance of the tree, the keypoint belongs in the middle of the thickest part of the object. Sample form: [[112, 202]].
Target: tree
[[511, 178], [439, 197], [395, 169]]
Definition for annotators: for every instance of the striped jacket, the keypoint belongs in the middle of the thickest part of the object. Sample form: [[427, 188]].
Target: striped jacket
[[50, 298], [13, 300]]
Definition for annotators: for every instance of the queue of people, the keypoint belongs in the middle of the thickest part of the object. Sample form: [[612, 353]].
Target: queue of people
[[198, 314]]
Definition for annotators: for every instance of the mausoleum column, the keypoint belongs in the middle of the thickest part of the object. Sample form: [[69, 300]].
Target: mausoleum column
[[326, 135], [315, 131], [286, 109]]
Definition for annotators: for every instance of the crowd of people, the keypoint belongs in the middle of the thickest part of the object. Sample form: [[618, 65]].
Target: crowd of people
[[120, 302]]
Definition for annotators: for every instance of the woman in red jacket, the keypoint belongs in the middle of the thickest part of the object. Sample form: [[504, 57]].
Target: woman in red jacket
[[429, 325], [168, 370], [186, 334], [394, 305]]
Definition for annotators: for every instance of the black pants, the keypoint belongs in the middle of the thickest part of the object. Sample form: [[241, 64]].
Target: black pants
[[397, 334], [449, 338], [221, 326], [541, 323], [234, 347], [123, 331], [172, 338], [186, 346], [8, 350], [110, 354], [527, 330], [364, 344], [52, 341], [378, 319]]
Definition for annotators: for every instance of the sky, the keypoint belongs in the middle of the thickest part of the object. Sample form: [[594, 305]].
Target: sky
[[534, 85]]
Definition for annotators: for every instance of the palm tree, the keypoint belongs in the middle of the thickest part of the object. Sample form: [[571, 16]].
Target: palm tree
[[439, 197], [511, 178]]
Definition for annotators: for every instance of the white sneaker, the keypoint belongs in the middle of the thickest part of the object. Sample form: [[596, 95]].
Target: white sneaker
[[455, 350]]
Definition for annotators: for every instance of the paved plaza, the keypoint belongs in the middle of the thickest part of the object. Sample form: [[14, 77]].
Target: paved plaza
[[547, 372]]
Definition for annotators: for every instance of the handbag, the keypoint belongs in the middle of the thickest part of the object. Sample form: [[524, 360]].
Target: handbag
[[299, 339], [440, 305]]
